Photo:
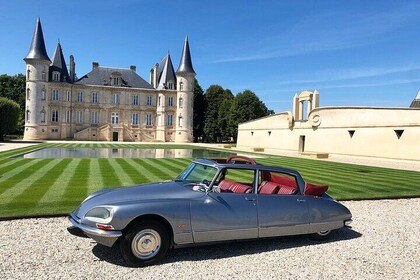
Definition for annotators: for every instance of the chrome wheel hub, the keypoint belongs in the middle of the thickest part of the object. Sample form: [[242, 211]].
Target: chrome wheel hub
[[146, 244]]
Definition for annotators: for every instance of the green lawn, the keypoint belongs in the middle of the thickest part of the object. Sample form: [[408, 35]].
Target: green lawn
[[58, 185]]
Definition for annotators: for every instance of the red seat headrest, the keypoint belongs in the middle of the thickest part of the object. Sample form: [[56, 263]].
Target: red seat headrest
[[315, 190]]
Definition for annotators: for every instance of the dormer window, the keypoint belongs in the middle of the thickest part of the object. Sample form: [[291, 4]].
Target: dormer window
[[181, 85], [56, 76], [170, 85], [115, 79]]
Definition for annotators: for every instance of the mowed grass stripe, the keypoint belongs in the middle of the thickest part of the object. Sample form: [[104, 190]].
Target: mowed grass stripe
[[42, 167], [76, 189], [175, 166], [123, 177], [138, 174], [9, 179], [143, 169], [10, 165], [109, 177], [95, 180], [156, 170], [159, 165], [55, 193], [30, 197]]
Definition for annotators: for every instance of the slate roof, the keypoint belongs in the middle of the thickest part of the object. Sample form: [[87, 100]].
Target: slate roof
[[37, 49], [59, 64], [185, 65], [101, 76], [416, 101], [166, 72]]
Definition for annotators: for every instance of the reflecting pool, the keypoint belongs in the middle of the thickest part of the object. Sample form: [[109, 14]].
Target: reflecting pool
[[124, 153]]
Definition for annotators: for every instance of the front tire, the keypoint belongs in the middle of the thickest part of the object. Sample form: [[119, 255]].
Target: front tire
[[321, 235], [145, 244]]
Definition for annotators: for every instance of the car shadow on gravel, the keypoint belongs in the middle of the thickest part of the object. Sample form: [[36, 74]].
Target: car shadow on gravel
[[228, 250]]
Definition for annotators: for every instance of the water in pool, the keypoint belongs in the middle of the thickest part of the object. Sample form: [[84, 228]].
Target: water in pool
[[124, 153]]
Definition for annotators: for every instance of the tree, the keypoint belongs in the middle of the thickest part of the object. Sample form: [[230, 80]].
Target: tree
[[199, 109], [246, 106], [9, 116], [214, 97], [13, 87]]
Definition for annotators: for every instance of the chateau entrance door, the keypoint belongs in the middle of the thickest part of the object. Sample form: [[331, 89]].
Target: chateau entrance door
[[114, 136]]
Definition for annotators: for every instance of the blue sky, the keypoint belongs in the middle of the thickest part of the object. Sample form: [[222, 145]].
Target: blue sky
[[356, 53]]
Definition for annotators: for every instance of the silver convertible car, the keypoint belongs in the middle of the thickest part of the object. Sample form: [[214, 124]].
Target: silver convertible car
[[211, 200]]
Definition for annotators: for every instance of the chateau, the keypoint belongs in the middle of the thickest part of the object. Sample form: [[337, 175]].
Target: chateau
[[106, 104]]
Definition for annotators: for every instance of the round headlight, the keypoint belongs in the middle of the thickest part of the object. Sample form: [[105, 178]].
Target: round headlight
[[100, 214]]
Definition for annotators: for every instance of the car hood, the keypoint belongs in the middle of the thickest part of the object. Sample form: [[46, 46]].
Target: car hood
[[153, 191]]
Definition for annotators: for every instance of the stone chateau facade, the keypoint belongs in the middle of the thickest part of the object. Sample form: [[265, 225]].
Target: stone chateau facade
[[106, 104]]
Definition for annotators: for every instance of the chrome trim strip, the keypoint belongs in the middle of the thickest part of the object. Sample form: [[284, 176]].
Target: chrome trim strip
[[94, 231]]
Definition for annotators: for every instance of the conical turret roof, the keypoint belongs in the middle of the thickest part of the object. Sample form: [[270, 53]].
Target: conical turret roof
[[416, 101], [37, 49], [185, 65], [166, 72], [59, 64]]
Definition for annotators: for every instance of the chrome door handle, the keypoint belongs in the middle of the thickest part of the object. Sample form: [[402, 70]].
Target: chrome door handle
[[300, 200], [250, 198]]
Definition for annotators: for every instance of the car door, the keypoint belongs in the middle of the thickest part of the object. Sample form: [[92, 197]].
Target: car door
[[224, 216], [282, 214]]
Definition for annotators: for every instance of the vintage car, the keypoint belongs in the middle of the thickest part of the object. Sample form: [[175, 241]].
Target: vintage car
[[211, 200]]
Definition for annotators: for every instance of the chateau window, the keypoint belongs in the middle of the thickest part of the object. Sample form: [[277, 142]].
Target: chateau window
[[68, 116], [149, 119], [116, 98], [170, 85], [94, 97], [28, 74], [42, 115], [135, 119], [159, 100], [28, 116], [56, 76], [180, 102], [79, 117], [54, 115], [115, 81], [43, 94], [44, 76], [149, 100], [170, 120], [181, 85], [135, 100], [94, 117], [115, 118], [28, 93], [170, 101], [68, 96], [55, 95], [80, 97], [180, 121]]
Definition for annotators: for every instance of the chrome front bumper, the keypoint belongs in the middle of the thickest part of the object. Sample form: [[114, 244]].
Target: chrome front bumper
[[104, 237]]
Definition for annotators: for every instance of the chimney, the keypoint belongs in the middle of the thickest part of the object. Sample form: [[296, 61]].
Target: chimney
[[133, 68], [72, 69], [95, 65], [155, 82], [152, 77]]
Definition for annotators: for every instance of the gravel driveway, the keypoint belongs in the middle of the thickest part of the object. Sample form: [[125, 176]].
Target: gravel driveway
[[383, 244]]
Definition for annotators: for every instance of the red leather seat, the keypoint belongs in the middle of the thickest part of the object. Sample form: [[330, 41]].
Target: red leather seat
[[240, 188], [315, 190], [287, 190], [284, 181], [225, 185], [268, 188]]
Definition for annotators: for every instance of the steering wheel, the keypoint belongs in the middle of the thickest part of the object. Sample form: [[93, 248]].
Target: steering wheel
[[232, 158], [205, 182]]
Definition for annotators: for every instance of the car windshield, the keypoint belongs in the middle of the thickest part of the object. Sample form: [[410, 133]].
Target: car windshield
[[197, 172]]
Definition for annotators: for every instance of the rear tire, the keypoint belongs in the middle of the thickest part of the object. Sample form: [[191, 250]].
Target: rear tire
[[145, 244], [321, 235]]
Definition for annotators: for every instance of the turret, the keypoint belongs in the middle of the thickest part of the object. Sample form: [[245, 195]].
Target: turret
[[37, 73], [58, 69], [185, 96]]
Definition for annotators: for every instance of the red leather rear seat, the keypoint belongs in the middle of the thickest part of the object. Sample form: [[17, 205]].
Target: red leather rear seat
[[287, 190], [284, 181], [268, 188]]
